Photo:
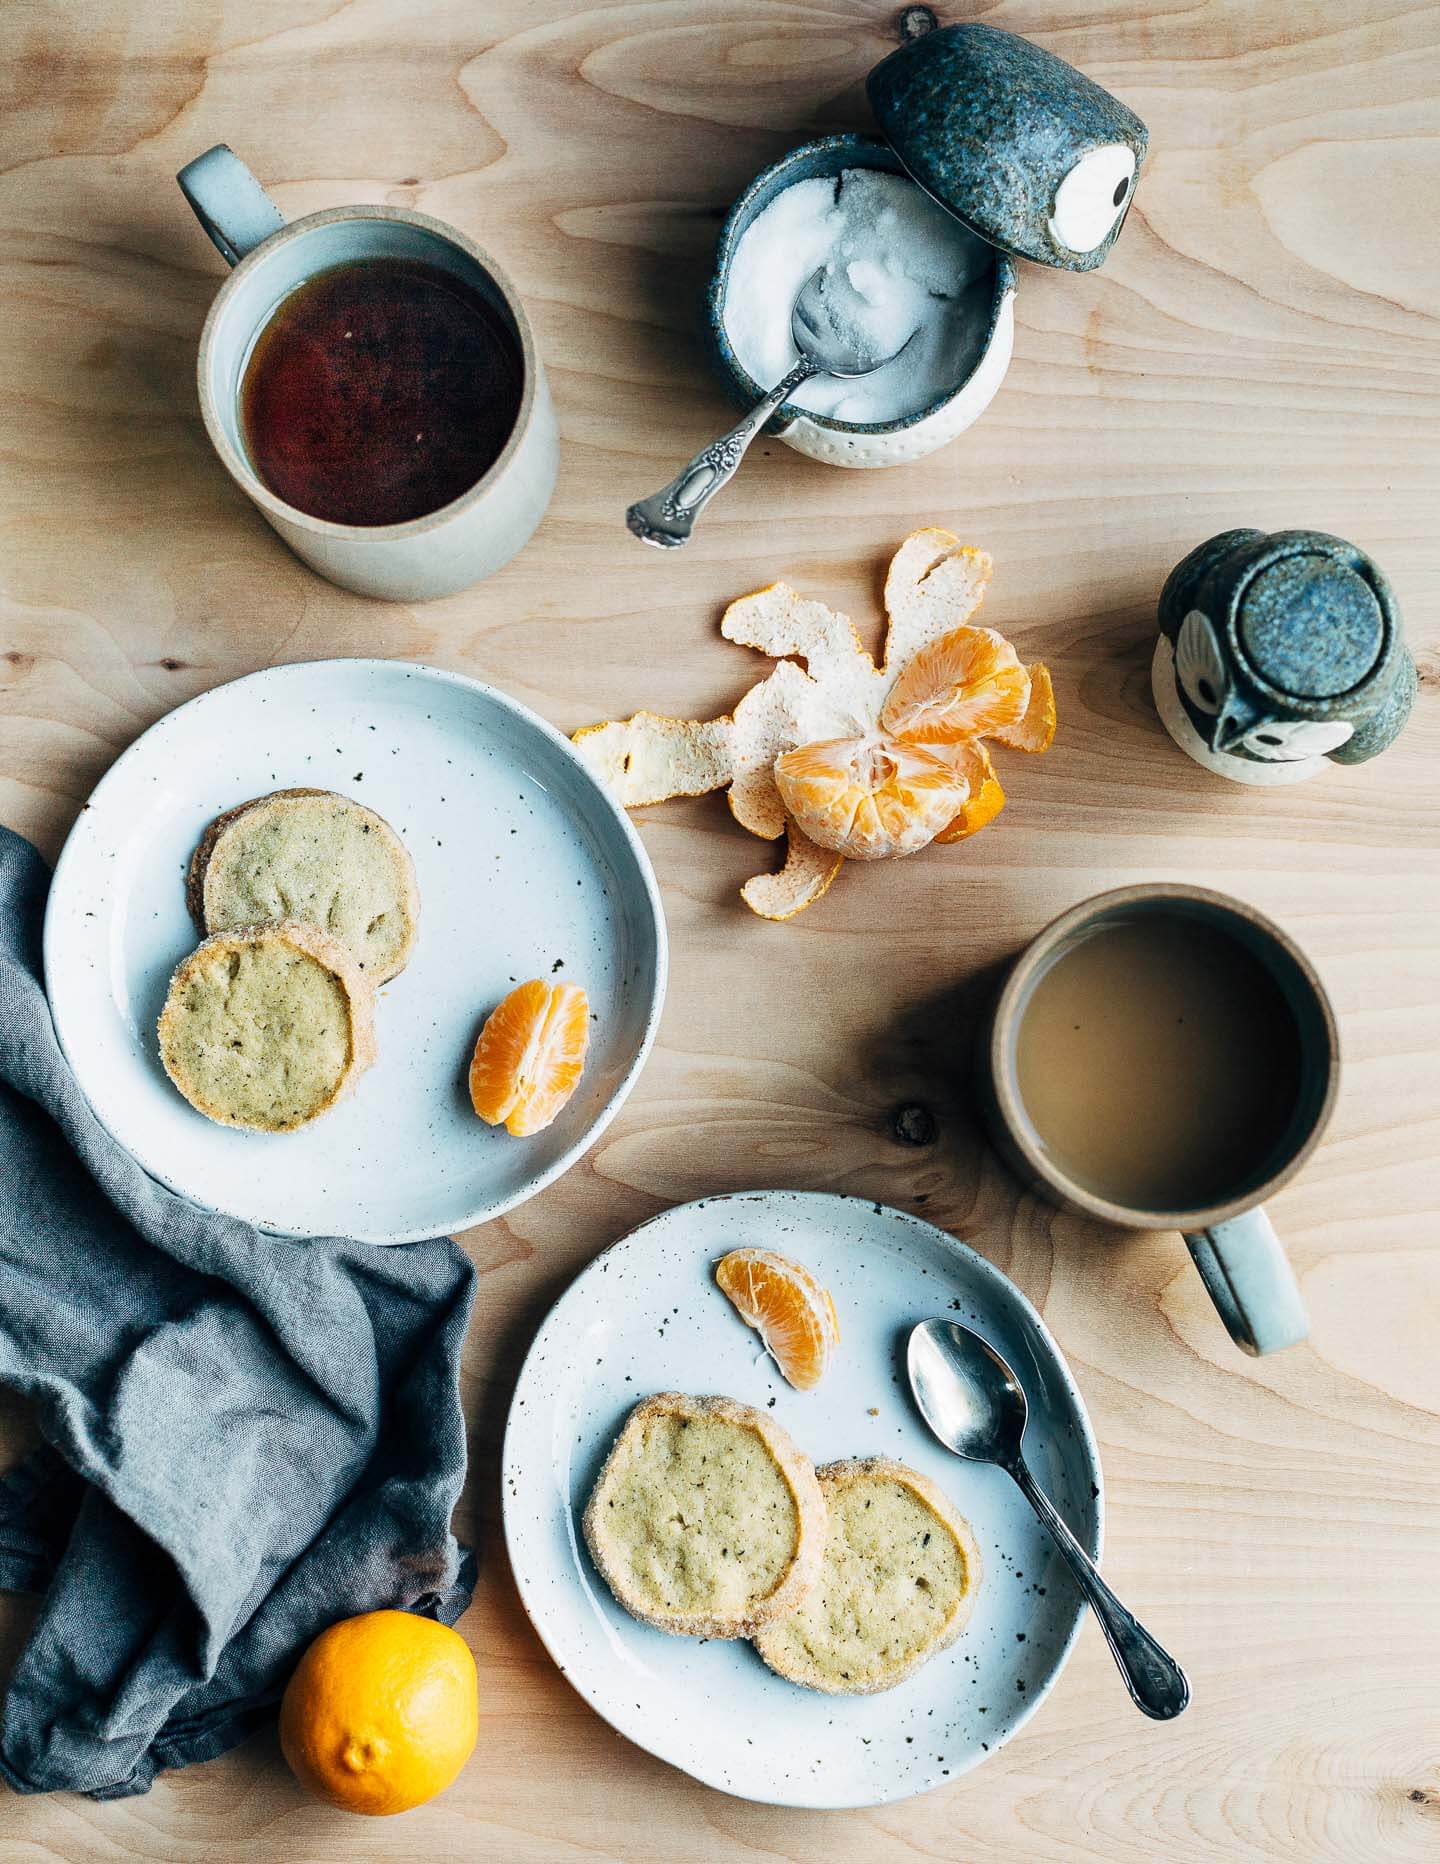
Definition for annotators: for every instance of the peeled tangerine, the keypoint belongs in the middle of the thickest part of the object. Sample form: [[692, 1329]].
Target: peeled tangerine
[[835, 753], [529, 1057], [871, 797], [788, 1308], [923, 774]]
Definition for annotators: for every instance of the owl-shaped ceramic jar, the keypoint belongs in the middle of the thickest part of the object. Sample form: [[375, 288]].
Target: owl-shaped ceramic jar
[[1278, 653], [1031, 155]]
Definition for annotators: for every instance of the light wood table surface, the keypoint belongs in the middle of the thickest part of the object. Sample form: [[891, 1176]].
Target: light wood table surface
[[1260, 349]]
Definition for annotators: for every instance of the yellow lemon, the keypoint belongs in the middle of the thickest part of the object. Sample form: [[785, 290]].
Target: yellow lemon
[[381, 1713]]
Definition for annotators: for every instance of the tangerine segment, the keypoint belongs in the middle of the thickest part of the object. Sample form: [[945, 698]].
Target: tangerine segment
[[529, 1056], [868, 798], [1036, 730], [787, 1307], [986, 798], [968, 684]]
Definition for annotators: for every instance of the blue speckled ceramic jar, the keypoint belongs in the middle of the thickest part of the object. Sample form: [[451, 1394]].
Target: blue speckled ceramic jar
[[848, 443], [1030, 154]]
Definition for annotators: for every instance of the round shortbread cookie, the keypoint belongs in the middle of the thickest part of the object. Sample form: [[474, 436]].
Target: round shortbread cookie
[[707, 1521], [897, 1583], [267, 1027], [314, 856]]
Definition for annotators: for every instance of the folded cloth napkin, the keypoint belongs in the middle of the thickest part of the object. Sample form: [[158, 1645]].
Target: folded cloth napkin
[[247, 1438]]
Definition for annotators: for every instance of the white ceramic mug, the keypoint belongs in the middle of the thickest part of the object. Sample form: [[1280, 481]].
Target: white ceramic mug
[[433, 555]]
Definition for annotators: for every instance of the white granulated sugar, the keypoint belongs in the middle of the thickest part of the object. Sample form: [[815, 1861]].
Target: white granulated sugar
[[900, 264]]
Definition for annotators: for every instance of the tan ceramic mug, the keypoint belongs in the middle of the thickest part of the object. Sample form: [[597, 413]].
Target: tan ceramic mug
[[444, 550], [1235, 1248]]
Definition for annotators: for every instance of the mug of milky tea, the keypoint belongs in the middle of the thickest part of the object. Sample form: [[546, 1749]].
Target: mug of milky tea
[[1163, 1057], [369, 378]]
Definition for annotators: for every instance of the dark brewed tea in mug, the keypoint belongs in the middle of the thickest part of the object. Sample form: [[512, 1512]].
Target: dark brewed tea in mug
[[380, 390]]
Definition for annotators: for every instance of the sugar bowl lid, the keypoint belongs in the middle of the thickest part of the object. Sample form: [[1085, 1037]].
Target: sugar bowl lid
[[1032, 155]]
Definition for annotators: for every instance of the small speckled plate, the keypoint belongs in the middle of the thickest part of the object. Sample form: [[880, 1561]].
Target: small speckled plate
[[525, 867], [646, 1317]]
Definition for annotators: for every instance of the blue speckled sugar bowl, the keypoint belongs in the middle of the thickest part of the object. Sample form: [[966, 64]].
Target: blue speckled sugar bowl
[[849, 443], [1278, 654], [1028, 153]]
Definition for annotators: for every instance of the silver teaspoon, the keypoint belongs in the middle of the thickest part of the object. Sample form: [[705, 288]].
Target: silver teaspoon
[[973, 1402], [828, 326]]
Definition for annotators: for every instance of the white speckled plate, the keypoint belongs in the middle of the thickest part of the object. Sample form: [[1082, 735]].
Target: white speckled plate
[[525, 867], [646, 1317]]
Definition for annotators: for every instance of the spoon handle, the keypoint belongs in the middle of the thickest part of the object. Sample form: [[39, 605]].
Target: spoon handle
[[1155, 1681], [667, 517]]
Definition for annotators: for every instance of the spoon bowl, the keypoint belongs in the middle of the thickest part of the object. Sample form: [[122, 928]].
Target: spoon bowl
[[966, 1393], [838, 330]]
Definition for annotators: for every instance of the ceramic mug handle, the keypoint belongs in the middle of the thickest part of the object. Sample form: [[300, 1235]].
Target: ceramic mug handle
[[1249, 1278], [229, 202]]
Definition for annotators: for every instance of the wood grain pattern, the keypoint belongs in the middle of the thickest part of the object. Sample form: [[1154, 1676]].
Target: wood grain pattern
[[1260, 349]]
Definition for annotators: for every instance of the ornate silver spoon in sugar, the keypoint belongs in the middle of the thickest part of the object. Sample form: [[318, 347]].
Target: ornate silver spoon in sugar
[[831, 325]]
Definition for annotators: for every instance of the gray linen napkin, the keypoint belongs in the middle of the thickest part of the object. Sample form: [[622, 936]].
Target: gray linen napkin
[[248, 1438]]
